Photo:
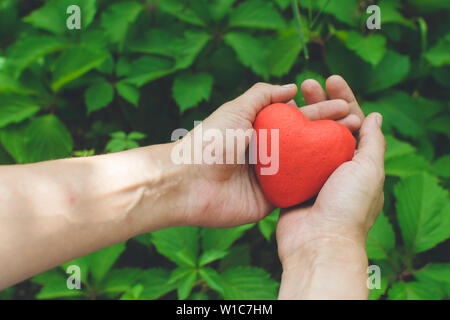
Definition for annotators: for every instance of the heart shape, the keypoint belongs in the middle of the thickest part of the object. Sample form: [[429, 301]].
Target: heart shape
[[309, 152]]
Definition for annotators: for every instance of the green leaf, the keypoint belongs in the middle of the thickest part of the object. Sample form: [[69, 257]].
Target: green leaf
[[134, 135], [371, 48], [154, 41], [283, 4], [186, 284], [54, 285], [16, 108], [180, 10], [151, 284], [390, 13], [133, 293], [98, 263], [73, 63], [98, 96], [117, 18], [210, 256], [11, 85], [381, 239], [186, 257], [183, 50], [188, 48], [392, 69], [439, 272], [170, 241], [440, 124], [189, 89], [423, 210], [128, 92], [268, 225], [256, 14], [345, 11], [154, 284], [401, 159], [439, 55], [283, 53], [239, 255], [179, 273], [412, 291], [42, 138], [29, 50], [251, 51], [397, 148], [149, 68], [199, 296], [120, 280], [222, 239], [212, 278], [398, 110], [248, 283], [407, 165], [428, 6], [219, 8], [375, 294], [442, 166], [121, 141], [52, 16]]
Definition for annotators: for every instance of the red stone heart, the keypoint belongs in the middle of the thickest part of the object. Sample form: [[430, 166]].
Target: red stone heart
[[309, 152]]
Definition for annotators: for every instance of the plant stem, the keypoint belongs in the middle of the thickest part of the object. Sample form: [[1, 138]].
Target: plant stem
[[319, 14], [309, 12], [298, 20]]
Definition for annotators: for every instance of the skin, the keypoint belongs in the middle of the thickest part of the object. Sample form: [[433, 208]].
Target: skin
[[322, 246], [58, 210]]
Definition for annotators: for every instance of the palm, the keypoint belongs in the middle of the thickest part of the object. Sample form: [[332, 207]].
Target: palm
[[238, 198], [350, 200], [333, 208]]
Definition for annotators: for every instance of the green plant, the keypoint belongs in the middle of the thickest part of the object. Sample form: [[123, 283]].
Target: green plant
[[146, 67]]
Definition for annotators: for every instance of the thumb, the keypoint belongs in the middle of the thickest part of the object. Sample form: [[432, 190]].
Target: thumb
[[371, 144], [259, 96]]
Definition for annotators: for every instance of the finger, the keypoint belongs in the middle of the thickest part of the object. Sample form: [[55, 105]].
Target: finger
[[312, 91], [261, 95], [329, 109], [292, 103], [352, 122], [372, 144], [338, 88]]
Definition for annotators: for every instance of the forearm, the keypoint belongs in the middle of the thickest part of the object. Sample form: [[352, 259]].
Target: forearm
[[326, 269], [55, 211]]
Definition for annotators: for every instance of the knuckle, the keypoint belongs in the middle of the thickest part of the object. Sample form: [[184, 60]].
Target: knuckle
[[260, 85]]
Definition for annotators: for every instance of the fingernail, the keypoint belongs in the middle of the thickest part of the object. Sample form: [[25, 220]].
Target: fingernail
[[289, 86], [379, 119]]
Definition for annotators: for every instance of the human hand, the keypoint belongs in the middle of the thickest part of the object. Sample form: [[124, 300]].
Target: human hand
[[226, 195], [330, 234]]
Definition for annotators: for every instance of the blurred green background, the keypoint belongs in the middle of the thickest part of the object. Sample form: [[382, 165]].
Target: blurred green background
[[139, 69]]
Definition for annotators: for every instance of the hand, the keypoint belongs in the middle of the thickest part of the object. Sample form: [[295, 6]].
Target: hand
[[331, 233], [229, 195]]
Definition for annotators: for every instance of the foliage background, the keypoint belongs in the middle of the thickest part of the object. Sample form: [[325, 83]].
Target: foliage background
[[139, 69]]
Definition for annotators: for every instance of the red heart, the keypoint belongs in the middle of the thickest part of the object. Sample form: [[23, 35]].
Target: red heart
[[309, 152]]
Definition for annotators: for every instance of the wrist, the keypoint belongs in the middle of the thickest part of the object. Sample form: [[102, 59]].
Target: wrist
[[164, 201], [329, 268]]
